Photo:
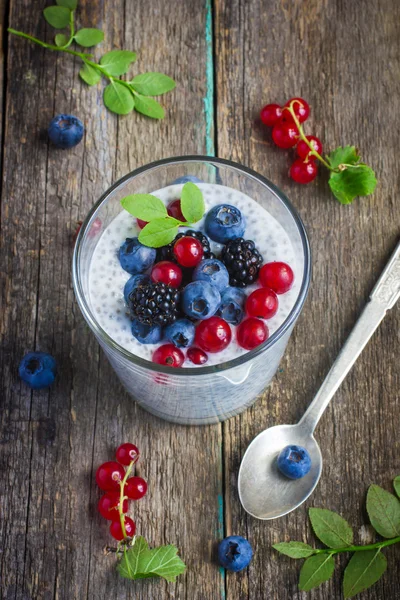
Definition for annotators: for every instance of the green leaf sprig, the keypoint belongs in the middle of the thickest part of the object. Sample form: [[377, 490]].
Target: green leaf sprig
[[349, 177], [161, 229], [120, 96], [368, 563]]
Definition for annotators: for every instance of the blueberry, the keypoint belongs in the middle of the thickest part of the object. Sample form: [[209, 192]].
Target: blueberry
[[200, 300], [232, 305], [224, 222], [213, 271], [294, 462], [235, 553], [146, 334], [37, 369], [133, 282], [187, 178], [181, 333], [134, 257], [65, 131]]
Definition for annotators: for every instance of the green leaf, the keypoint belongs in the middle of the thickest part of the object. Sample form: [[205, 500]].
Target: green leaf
[[192, 202], [140, 562], [396, 485], [159, 232], [118, 98], [316, 570], [60, 39], [331, 528], [89, 36], [117, 62], [294, 549], [384, 511], [153, 84], [347, 155], [71, 4], [149, 107], [352, 182], [57, 16], [144, 206], [363, 570], [89, 74]]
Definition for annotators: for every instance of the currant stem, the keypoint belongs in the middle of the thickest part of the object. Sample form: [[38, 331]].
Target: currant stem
[[122, 497], [377, 545]]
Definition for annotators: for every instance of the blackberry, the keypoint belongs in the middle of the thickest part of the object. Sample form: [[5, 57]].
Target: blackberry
[[154, 304], [166, 253], [243, 261]]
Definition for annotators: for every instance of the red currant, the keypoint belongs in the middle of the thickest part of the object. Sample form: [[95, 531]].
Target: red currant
[[271, 114], [213, 334], [197, 356], [108, 476], [116, 529], [108, 506], [262, 303], [126, 453], [251, 333], [303, 150], [300, 107], [168, 355], [303, 171], [141, 223], [174, 210], [278, 276], [135, 488], [188, 251], [285, 135], [167, 272]]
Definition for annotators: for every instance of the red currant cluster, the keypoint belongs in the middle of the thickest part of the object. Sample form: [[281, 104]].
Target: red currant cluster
[[286, 133], [119, 487]]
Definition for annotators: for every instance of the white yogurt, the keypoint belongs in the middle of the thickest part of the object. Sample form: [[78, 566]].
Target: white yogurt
[[107, 278]]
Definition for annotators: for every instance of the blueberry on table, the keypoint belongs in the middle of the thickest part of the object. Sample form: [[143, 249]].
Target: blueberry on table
[[37, 369], [65, 131], [186, 179], [232, 305], [213, 271], [145, 333], [294, 462], [181, 333], [224, 222], [234, 553], [200, 300], [134, 257]]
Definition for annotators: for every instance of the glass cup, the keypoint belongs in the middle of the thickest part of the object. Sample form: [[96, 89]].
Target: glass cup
[[194, 395]]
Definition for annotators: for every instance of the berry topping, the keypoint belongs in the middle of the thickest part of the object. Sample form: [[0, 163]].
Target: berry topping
[[200, 300], [197, 356], [133, 282], [154, 303], [303, 171], [166, 252], [262, 303], [243, 261], [285, 134], [134, 257], [300, 107], [38, 370], [174, 210], [224, 222], [181, 333], [65, 131], [109, 475], [213, 271], [168, 355], [278, 276], [135, 488], [141, 223], [294, 462], [271, 114], [188, 251], [117, 532], [167, 272], [303, 150], [127, 453], [145, 333], [213, 335], [108, 506], [234, 553], [232, 305], [251, 333]]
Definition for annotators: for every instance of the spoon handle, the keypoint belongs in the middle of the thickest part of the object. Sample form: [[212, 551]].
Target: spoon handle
[[383, 297]]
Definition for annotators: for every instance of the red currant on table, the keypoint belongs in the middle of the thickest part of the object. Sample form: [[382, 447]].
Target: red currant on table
[[197, 356], [303, 171], [141, 223], [303, 150], [278, 276], [285, 134], [116, 529], [271, 114], [188, 251], [262, 303], [167, 272], [108, 506], [251, 333], [135, 488], [213, 334], [300, 107], [174, 210], [126, 453], [108, 476], [168, 355]]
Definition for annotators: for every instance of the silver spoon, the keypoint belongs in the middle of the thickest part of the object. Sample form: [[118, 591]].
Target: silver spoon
[[264, 492]]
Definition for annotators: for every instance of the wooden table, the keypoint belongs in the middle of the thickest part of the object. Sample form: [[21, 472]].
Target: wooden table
[[229, 58]]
